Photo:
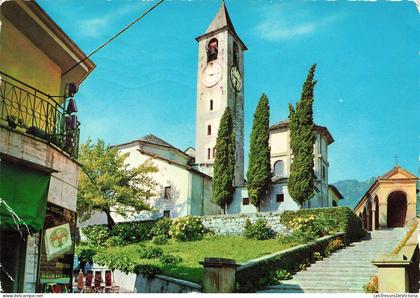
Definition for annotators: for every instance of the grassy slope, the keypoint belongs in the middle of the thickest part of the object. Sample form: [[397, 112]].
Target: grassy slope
[[233, 247]]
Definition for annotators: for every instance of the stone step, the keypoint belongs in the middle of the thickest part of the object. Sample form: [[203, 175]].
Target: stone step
[[309, 290], [346, 270], [335, 273], [349, 262], [327, 279], [329, 285], [294, 288], [344, 265]]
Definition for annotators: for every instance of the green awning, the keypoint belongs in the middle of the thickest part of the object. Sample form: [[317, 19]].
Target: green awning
[[25, 191]]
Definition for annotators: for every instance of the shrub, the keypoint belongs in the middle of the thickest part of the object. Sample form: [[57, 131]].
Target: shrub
[[335, 244], [132, 232], [341, 219], [282, 275], [259, 230], [114, 241], [122, 263], [147, 270], [96, 235], [317, 256], [372, 285], [160, 239], [286, 238], [302, 267], [319, 226], [161, 227], [187, 228], [170, 260], [209, 235], [150, 252], [85, 253]]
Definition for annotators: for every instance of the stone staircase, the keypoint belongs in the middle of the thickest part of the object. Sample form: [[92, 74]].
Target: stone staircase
[[345, 271]]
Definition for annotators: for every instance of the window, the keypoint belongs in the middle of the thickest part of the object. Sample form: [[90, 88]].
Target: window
[[214, 152], [211, 104], [209, 130], [280, 198], [279, 168], [167, 194], [324, 172], [208, 153], [235, 54], [212, 50], [245, 201], [334, 203], [167, 213]]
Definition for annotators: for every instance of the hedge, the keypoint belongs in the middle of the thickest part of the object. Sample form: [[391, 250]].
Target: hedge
[[254, 274], [122, 233], [345, 220]]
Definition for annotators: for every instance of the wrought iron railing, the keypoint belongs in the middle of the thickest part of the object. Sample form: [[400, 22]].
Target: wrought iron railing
[[25, 108]]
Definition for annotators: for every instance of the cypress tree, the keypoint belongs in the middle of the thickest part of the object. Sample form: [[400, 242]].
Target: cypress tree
[[302, 140], [259, 168], [224, 163]]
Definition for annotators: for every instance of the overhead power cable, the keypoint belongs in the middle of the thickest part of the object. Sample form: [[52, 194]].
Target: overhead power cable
[[115, 36]]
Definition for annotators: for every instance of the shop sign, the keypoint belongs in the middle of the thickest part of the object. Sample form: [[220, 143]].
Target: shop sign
[[57, 241]]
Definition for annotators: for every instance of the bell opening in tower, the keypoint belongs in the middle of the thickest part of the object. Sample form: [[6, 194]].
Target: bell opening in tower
[[212, 50]]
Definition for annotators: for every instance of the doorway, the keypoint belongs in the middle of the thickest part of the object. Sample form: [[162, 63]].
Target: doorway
[[397, 209]]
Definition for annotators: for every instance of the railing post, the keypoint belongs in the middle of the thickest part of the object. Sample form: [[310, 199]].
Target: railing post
[[219, 275]]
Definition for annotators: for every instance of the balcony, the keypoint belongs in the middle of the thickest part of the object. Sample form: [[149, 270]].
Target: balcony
[[34, 112]]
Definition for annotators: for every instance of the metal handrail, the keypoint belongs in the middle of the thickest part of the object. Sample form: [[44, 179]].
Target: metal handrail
[[25, 107]]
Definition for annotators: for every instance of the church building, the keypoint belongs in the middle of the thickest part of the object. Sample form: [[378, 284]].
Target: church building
[[185, 177], [220, 84]]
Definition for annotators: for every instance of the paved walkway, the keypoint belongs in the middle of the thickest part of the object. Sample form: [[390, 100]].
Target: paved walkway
[[346, 270]]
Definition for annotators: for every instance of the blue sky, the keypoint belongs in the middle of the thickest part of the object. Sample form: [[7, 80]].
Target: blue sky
[[368, 91]]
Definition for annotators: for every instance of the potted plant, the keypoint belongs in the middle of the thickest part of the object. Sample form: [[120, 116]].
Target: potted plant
[[21, 126], [12, 121]]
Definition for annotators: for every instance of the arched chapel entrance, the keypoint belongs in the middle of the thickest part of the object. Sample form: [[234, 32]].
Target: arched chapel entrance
[[396, 209], [376, 212], [369, 216]]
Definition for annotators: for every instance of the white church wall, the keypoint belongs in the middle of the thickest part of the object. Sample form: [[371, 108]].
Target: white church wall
[[168, 175], [236, 205], [271, 204], [279, 141], [166, 153], [201, 197]]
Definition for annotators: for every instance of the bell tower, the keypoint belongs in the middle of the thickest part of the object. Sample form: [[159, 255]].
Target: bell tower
[[220, 84]]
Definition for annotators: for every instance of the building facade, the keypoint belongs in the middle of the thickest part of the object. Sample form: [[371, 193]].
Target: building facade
[[281, 157], [182, 190], [38, 145], [390, 201]]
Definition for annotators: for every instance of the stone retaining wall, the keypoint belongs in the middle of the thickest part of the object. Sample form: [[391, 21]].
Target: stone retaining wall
[[233, 224], [165, 284], [136, 283]]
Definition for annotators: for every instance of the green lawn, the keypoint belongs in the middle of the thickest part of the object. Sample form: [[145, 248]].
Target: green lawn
[[233, 247]]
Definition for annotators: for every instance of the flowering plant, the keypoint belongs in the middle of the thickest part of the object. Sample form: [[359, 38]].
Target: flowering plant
[[187, 228]]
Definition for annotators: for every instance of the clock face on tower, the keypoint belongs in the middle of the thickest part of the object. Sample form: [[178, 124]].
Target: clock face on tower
[[236, 78], [212, 74]]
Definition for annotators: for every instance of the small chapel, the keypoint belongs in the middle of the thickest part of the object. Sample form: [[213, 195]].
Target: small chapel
[[390, 201]]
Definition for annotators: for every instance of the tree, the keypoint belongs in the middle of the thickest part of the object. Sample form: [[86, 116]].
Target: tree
[[107, 184], [259, 168], [224, 163], [302, 140]]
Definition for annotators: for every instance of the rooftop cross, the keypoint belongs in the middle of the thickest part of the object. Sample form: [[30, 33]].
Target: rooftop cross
[[396, 159]]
